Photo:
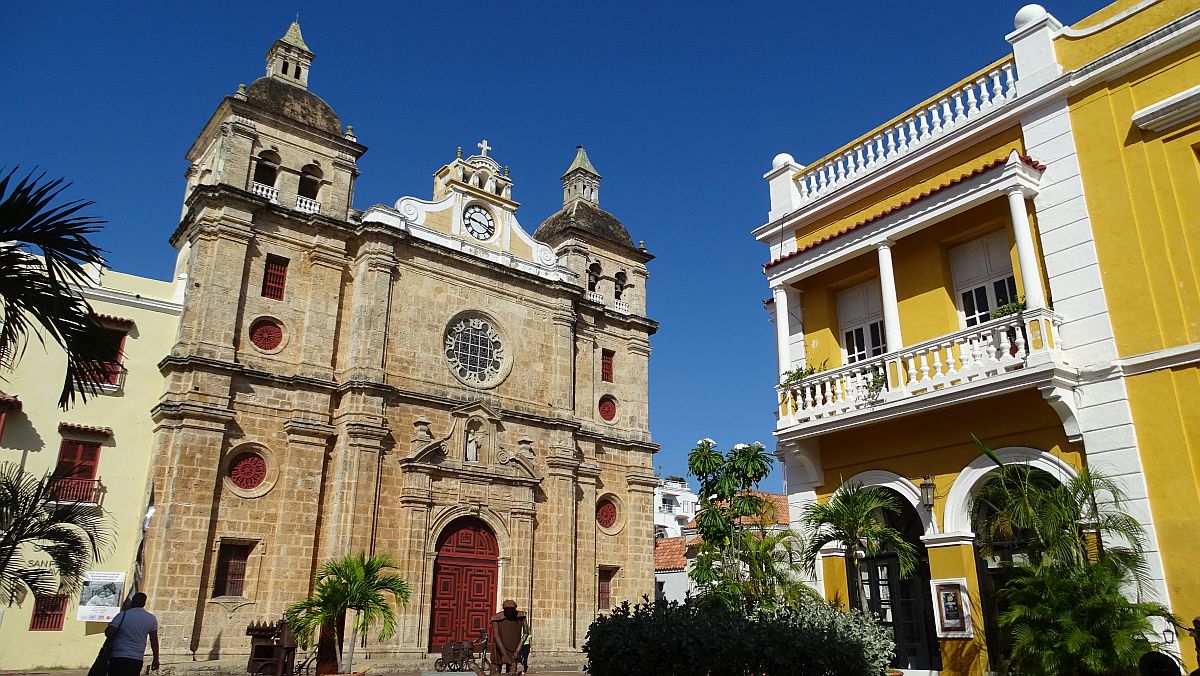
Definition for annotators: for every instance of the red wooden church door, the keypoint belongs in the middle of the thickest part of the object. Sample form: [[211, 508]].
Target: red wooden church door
[[464, 582]]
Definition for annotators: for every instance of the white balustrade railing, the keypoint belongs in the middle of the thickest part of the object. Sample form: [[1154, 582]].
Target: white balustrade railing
[[979, 353], [621, 306], [268, 191], [595, 297], [987, 91], [308, 206]]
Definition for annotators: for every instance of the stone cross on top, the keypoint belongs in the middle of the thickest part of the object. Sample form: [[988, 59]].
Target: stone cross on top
[[483, 147]]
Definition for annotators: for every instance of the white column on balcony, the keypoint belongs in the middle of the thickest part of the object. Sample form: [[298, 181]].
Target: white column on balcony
[[1035, 298], [787, 324], [887, 289]]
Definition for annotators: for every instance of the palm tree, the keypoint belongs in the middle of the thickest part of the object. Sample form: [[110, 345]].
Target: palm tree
[[43, 251], [1065, 525], [854, 519], [71, 535], [774, 574], [356, 583]]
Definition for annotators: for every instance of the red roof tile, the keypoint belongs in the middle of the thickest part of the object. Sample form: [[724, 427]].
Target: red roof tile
[[908, 202], [114, 319], [9, 402], [76, 428], [670, 554]]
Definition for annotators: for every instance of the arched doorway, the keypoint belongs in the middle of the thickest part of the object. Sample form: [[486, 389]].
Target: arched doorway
[[464, 582], [902, 605]]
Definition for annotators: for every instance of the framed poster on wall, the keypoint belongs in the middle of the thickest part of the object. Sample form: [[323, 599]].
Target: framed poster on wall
[[101, 596], [951, 608]]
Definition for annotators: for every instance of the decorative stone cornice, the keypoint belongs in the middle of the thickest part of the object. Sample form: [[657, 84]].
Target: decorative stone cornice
[[301, 429]]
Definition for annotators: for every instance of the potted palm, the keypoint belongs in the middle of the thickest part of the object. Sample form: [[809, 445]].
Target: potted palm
[[353, 587]]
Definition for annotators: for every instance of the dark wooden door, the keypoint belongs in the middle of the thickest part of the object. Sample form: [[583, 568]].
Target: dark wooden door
[[904, 607], [465, 573]]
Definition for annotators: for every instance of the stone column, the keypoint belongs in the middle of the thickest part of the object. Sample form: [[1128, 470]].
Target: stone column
[[207, 327], [370, 309], [554, 596], [325, 267], [299, 491], [639, 536], [887, 288], [416, 501], [562, 396], [1031, 279], [346, 525], [585, 551]]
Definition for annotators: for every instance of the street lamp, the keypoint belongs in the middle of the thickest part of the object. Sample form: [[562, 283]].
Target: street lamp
[[928, 492]]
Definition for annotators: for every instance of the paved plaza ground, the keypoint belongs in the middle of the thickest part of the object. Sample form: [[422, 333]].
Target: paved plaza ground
[[559, 671]]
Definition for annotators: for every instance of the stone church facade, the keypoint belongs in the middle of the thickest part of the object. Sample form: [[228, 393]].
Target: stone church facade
[[426, 380]]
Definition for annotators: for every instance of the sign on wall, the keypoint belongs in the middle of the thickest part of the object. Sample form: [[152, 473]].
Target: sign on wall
[[951, 608], [100, 599]]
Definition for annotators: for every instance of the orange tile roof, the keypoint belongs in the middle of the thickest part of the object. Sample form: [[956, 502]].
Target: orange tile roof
[[908, 202], [114, 319], [670, 554]]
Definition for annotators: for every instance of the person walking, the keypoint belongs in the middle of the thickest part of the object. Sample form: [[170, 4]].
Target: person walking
[[509, 629], [524, 659], [129, 631]]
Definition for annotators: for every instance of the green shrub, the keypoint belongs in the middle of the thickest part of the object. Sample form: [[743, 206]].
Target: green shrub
[[693, 639]]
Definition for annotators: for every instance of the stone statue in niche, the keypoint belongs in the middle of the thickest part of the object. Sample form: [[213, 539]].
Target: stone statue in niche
[[472, 449]]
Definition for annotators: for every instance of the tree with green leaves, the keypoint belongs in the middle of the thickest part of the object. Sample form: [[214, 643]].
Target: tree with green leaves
[[71, 536], [357, 584], [854, 519], [44, 249], [1066, 606], [741, 564]]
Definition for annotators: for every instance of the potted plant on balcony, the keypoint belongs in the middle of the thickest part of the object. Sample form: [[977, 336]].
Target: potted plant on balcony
[[1015, 307], [355, 584]]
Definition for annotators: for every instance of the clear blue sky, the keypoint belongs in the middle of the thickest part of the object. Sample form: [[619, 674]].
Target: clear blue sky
[[680, 105]]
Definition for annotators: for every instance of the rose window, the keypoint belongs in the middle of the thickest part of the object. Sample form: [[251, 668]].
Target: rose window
[[266, 334], [606, 513], [474, 350], [248, 470], [608, 408]]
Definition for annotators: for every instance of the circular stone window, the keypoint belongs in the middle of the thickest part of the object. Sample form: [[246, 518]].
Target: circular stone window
[[475, 351], [606, 513], [248, 470], [608, 408], [266, 335]]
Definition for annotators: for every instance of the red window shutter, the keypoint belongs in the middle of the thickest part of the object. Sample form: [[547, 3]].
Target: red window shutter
[[604, 600], [49, 611], [274, 277], [606, 365], [81, 456], [231, 569]]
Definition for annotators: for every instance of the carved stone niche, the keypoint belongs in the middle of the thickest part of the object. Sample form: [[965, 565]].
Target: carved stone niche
[[470, 442]]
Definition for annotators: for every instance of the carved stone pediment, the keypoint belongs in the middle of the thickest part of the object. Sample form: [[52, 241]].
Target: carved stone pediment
[[471, 448]]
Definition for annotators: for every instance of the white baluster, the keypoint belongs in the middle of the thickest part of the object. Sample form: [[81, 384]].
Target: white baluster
[[813, 185], [960, 109], [935, 119], [924, 368], [851, 165], [877, 145], [977, 352], [997, 88], [924, 119], [808, 396], [1021, 347], [972, 103], [841, 171], [826, 398], [871, 152], [803, 185], [1005, 346], [891, 140], [985, 97], [989, 347], [947, 117], [823, 182], [1010, 81], [862, 162], [937, 361], [951, 362], [912, 369], [911, 128]]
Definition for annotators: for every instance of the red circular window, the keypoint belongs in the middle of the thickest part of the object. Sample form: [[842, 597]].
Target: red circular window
[[266, 334], [608, 408], [248, 470], [606, 513]]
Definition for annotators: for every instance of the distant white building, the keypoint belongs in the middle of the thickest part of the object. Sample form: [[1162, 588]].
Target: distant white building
[[674, 505]]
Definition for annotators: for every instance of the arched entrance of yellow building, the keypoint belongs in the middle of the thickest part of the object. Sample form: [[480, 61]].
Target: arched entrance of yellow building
[[902, 604]]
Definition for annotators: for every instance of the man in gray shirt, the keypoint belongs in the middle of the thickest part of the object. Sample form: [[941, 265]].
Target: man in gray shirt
[[129, 630]]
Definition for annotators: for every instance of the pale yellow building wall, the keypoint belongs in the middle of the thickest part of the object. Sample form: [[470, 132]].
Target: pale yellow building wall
[[31, 438]]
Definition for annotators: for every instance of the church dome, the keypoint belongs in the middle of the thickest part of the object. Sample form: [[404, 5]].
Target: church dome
[[293, 102], [582, 215]]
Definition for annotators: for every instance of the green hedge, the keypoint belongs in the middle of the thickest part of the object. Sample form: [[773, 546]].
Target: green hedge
[[669, 638]]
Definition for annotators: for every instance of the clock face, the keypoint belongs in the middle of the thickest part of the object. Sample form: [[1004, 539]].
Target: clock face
[[478, 221]]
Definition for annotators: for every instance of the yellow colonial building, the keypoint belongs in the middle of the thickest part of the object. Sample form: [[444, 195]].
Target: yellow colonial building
[[1015, 257], [109, 439]]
